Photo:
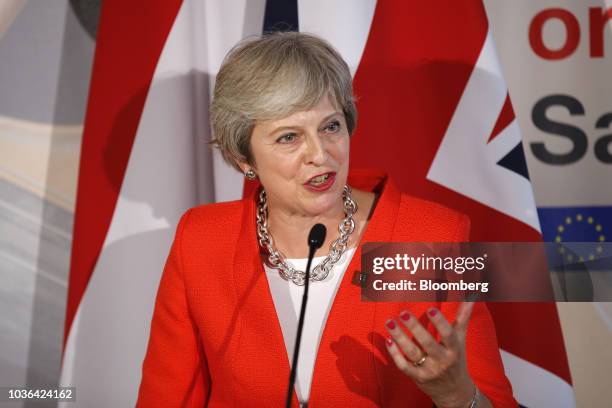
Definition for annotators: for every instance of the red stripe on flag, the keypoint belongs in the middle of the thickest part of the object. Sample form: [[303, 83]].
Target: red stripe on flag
[[506, 117], [532, 331], [130, 40], [414, 69]]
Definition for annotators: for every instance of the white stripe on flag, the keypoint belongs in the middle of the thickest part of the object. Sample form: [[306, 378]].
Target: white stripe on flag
[[465, 163], [535, 387], [108, 339], [344, 23]]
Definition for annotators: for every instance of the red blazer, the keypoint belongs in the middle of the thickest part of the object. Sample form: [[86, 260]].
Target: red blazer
[[216, 340]]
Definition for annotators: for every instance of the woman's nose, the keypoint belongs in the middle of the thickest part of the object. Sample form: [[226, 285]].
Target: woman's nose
[[315, 150]]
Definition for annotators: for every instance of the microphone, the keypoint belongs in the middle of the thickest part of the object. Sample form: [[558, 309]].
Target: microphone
[[316, 237]]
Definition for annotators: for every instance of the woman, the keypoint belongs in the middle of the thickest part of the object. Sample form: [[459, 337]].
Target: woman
[[226, 312]]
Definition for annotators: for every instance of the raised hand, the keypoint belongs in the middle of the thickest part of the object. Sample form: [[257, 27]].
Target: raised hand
[[438, 368]]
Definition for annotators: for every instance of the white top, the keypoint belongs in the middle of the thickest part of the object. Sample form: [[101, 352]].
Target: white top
[[287, 299]]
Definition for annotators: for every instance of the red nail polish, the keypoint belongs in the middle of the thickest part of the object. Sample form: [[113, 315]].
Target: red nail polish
[[405, 316], [391, 324], [389, 342], [433, 312]]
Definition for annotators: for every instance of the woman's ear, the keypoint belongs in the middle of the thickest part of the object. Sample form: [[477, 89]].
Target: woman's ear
[[244, 167], [248, 170]]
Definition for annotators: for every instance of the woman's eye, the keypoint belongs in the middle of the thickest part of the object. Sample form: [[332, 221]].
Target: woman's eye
[[287, 138], [333, 127]]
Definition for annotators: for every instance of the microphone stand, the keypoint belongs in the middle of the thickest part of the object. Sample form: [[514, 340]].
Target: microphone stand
[[315, 241]]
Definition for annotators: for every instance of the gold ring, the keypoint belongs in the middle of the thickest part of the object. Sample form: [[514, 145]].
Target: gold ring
[[421, 361]]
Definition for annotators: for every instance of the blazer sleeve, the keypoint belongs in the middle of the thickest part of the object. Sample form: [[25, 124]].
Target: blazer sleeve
[[174, 371]]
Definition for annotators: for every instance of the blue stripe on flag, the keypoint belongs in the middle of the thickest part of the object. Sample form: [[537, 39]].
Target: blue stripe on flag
[[281, 15]]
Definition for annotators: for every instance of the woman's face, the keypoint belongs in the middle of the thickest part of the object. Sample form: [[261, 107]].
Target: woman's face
[[302, 160]]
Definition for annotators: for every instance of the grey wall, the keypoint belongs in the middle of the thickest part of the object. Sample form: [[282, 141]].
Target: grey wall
[[45, 66]]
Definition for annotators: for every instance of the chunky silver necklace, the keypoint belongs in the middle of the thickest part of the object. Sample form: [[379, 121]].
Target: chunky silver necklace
[[277, 260]]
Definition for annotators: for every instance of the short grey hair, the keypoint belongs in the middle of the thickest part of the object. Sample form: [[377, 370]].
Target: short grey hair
[[271, 77]]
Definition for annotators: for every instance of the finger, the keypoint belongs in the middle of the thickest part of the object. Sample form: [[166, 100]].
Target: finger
[[400, 361], [463, 316], [448, 336], [407, 346], [421, 335]]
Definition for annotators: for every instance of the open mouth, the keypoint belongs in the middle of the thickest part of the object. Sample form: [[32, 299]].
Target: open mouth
[[319, 180]]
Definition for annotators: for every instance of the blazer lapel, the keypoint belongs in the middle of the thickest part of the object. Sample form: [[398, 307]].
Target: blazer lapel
[[261, 337], [344, 360]]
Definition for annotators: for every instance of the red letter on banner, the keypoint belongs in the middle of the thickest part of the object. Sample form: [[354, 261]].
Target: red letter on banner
[[571, 27], [597, 21]]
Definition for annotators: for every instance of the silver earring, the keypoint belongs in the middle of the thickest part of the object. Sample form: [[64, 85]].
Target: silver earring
[[250, 174]]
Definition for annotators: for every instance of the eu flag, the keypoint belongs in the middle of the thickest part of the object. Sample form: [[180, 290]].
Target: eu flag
[[576, 224]]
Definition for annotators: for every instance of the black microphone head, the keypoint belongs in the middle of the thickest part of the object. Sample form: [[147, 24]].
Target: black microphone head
[[317, 236]]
